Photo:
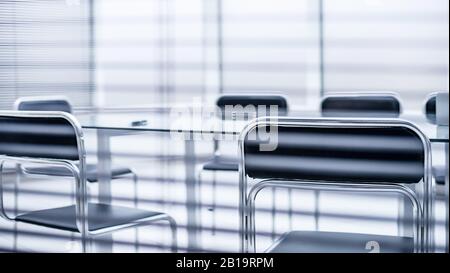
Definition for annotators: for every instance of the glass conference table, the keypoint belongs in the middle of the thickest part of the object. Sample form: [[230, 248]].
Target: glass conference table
[[190, 126]]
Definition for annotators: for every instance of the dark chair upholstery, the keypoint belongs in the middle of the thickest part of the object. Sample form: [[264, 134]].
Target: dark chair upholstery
[[62, 105], [439, 174], [383, 105], [254, 100], [436, 108], [430, 113], [220, 163], [100, 216], [337, 242], [50, 104], [430, 109], [339, 154], [91, 172], [38, 137]]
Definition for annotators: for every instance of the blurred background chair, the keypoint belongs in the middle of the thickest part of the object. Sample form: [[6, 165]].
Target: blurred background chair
[[235, 107], [431, 114], [62, 104], [430, 108], [436, 112], [338, 155], [221, 163], [361, 105], [38, 139]]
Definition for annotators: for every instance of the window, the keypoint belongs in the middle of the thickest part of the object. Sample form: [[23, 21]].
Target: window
[[168, 51], [163, 52], [149, 51], [385, 45], [45, 50], [272, 46]]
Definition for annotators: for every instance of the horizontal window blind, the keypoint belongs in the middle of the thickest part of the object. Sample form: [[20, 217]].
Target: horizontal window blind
[[45, 49], [167, 51], [149, 51], [272, 46], [385, 45]]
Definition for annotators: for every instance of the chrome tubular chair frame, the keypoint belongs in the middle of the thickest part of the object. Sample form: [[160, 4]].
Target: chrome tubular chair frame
[[331, 186], [81, 200], [422, 234], [37, 99]]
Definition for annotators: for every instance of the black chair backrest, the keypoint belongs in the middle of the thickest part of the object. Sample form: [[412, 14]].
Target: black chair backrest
[[430, 109], [385, 105], [51, 104], [337, 153], [38, 137], [254, 100]]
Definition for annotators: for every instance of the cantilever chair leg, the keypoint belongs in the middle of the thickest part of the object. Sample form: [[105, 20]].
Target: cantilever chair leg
[[316, 209], [273, 213], [18, 173], [72, 199], [213, 205], [199, 185], [87, 241], [87, 244], [166, 217], [290, 211], [173, 229], [136, 201], [135, 185]]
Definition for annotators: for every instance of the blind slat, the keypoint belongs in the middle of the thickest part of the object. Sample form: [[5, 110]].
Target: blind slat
[[32, 63]]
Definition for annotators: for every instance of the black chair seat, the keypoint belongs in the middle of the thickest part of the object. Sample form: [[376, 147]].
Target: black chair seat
[[439, 174], [220, 163], [335, 242], [99, 216], [91, 171]]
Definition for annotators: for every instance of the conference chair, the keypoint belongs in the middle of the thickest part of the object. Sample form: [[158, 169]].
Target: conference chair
[[234, 107], [360, 105], [221, 163], [61, 103], [430, 108], [431, 114], [55, 139], [335, 154], [437, 114]]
